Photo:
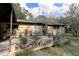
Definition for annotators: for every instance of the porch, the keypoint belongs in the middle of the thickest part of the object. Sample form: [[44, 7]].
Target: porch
[[7, 26]]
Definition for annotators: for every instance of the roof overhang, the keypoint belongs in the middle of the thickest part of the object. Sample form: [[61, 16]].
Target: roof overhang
[[21, 21], [5, 12]]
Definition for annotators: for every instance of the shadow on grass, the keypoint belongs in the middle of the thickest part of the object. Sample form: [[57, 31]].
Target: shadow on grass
[[25, 53]]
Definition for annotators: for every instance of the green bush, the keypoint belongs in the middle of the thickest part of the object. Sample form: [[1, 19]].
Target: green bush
[[63, 41], [37, 33], [36, 37], [18, 12], [23, 40], [61, 44], [60, 40]]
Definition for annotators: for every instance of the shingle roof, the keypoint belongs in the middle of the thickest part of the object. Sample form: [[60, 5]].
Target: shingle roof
[[40, 22], [52, 24]]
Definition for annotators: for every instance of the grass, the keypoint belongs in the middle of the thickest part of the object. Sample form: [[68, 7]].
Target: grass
[[24, 53], [68, 50]]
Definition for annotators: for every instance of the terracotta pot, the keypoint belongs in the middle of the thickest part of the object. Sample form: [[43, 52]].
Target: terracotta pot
[[23, 46]]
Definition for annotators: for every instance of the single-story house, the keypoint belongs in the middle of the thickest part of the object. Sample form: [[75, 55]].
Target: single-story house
[[25, 26], [56, 28], [30, 27], [40, 28]]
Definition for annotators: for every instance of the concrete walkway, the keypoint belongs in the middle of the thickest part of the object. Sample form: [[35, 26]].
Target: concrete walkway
[[4, 48]]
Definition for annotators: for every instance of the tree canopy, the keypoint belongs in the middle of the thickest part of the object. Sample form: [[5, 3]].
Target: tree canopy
[[18, 12], [71, 19]]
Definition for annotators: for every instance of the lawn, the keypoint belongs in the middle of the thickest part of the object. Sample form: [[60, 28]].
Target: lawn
[[68, 50]]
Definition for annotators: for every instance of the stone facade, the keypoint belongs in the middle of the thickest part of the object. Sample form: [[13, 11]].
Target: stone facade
[[32, 28], [55, 30], [29, 29]]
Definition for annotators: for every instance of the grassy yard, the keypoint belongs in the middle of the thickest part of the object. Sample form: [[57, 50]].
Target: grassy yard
[[68, 50]]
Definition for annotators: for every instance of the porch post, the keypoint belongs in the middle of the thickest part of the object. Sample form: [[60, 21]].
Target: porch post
[[11, 40], [10, 30]]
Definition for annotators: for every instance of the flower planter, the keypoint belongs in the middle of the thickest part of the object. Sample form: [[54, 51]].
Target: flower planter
[[23, 46]]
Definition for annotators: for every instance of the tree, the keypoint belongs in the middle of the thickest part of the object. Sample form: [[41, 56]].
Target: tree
[[71, 19], [30, 16], [45, 19], [18, 12]]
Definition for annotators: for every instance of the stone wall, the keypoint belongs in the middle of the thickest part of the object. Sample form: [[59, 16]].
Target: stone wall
[[55, 31], [29, 28], [38, 28]]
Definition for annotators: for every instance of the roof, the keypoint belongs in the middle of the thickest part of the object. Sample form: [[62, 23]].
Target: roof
[[39, 22], [5, 12], [53, 24]]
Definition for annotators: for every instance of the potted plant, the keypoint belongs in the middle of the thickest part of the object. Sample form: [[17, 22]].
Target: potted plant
[[36, 37], [23, 42]]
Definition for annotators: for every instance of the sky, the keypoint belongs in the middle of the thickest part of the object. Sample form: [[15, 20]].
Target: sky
[[47, 9]]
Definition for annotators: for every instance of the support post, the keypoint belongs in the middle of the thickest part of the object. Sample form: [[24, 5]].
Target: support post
[[11, 43], [10, 30]]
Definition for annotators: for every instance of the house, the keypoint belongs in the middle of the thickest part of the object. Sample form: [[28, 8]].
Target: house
[[31, 27], [56, 28], [8, 22], [24, 26], [7, 26], [5, 17]]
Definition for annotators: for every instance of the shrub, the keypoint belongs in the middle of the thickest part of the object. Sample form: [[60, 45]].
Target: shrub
[[61, 44], [36, 37], [37, 33], [60, 40], [23, 40]]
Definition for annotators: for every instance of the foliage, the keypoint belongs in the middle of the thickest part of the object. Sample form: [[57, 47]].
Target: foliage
[[30, 16], [45, 19], [23, 40], [61, 40], [18, 12], [71, 19], [35, 37]]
